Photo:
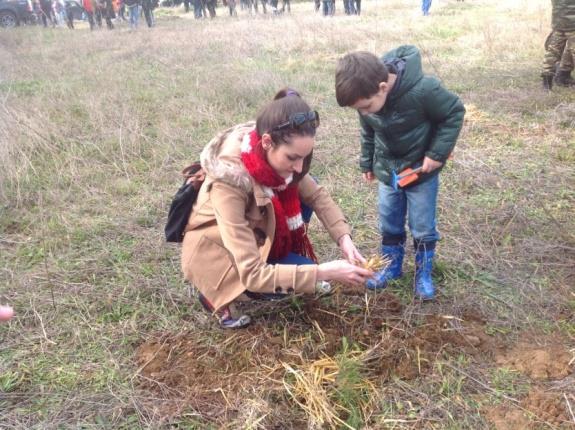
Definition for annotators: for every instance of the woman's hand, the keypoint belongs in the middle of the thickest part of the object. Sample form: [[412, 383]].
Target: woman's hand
[[349, 250], [344, 272]]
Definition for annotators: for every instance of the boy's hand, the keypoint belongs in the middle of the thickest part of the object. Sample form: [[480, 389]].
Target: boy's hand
[[430, 165], [368, 176]]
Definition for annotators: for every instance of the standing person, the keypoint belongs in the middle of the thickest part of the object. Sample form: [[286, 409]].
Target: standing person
[[211, 5], [246, 236], [425, 6], [317, 4], [406, 119], [134, 12], [121, 8], [328, 7], [89, 9], [349, 7], [232, 7], [68, 7], [563, 76], [198, 9], [47, 13], [562, 33], [98, 7], [105, 10], [357, 7], [148, 7], [59, 12]]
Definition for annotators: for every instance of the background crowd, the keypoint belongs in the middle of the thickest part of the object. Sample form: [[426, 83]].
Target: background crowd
[[95, 12]]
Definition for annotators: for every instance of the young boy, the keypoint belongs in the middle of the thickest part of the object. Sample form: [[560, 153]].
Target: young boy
[[407, 120]]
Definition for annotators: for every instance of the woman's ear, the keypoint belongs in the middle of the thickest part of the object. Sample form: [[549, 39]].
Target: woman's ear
[[267, 141]]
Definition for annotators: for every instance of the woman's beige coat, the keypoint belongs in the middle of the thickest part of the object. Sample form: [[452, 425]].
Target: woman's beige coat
[[232, 225]]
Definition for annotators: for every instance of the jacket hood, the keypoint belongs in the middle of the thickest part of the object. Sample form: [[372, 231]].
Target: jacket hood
[[221, 159], [412, 71]]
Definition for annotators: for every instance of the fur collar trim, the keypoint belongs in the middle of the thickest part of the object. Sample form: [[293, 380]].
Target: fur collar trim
[[221, 159]]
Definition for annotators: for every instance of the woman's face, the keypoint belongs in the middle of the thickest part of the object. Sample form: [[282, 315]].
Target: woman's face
[[287, 158]]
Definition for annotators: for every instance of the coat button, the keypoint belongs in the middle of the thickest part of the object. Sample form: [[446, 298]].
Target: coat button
[[290, 290], [278, 290]]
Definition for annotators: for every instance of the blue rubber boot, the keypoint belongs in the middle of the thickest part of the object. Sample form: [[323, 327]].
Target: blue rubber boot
[[424, 288], [394, 253]]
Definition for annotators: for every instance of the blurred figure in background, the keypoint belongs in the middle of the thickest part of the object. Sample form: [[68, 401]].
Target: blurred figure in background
[[198, 9], [349, 7], [134, 12], [328, 7], [47, 13], [69, 15], [425, 5], [148, 7], [562, 35], [105, 10], [232, 7], [59, 12], [89, 9], [211, 5], [121, 11]]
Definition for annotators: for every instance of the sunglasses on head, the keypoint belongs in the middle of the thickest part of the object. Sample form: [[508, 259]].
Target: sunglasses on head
[[298, 119]]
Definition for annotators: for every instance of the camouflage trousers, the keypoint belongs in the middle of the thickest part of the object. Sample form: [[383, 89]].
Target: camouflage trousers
[[555, 45], [567, 63]]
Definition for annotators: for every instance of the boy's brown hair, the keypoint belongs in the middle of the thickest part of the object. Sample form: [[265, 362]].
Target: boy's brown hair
[[357, 76]]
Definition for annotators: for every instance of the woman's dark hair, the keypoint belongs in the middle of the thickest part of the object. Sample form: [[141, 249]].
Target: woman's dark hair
[[285, 103]]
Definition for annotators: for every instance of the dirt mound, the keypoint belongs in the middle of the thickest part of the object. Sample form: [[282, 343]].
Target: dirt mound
[[216, 370], [537, 408], [550, 362], [507, 418], [441, 336], [550, 408]]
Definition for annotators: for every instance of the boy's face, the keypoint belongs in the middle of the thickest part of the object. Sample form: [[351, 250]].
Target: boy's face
[[374, 103]]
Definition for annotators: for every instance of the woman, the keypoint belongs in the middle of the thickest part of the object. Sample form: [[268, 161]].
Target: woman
[[246, 236]]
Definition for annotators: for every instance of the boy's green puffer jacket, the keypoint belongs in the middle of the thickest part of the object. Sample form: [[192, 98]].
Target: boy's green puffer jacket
[[420, 118]]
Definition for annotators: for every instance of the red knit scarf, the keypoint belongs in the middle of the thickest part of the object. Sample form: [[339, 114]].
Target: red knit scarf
[[290, 234]]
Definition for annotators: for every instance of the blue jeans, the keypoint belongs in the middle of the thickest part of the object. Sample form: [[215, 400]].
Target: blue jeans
[[425, 5], [328, 9], [418, 203], [292, 259], [134, 15]]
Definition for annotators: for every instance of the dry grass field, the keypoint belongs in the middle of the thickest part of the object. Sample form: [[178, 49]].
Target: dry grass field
[[94, 129]]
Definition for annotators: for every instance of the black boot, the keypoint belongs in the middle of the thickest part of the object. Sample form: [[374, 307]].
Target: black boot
[[547, 82], [563, 79]]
